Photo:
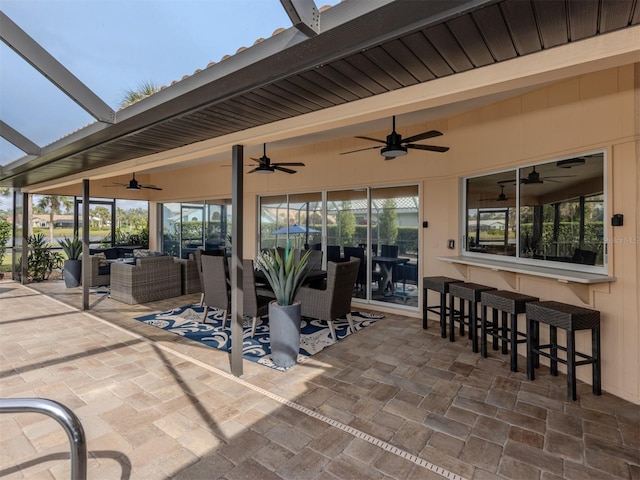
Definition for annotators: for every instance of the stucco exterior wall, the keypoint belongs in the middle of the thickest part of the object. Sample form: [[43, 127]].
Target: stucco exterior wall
[[597, 111], [592, 112]]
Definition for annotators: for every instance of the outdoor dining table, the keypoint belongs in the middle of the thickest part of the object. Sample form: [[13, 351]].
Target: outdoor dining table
[[387, 265]]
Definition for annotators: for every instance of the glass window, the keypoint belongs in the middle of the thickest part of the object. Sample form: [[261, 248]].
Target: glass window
[[171, 229], [132, 222], [187, 227], [218, 220], [560, 212], [274, 215]]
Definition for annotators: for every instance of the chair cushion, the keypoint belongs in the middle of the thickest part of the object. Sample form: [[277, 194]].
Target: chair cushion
[[104, 270]]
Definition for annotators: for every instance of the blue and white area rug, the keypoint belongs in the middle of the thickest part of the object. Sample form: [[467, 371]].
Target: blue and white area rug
[[314, 334]]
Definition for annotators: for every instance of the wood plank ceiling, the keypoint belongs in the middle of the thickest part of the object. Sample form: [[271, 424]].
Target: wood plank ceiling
[[480, 34]]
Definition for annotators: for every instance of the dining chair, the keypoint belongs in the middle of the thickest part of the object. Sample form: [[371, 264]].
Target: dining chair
[[333, 253], [334, 300], [216, 285], [198, 257], [358, 252], [254, 305], [389, 251]]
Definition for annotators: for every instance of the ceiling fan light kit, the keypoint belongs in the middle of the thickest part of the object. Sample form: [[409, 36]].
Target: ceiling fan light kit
[[263, 169], [570, 162], [392, 152], [395, 146]]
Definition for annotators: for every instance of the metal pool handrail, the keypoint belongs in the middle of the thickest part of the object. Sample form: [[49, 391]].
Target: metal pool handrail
[[64, 417]]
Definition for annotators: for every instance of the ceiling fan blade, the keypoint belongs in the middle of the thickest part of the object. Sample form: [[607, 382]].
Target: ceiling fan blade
[[282, 169], [255, 159], [526, 181], [431, 148], [360, 150], [151, 187], [422, 136], [251, 171], [289, 164], [372, 139]]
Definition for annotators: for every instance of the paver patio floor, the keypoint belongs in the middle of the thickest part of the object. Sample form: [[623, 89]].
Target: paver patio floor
[[393, 401]]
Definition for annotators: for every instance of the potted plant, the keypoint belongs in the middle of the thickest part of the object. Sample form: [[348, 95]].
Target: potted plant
[[285, 277], [5, 234], [72, 248]]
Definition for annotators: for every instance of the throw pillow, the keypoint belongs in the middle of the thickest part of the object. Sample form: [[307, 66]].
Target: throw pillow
[[102, 258], [141, 253]]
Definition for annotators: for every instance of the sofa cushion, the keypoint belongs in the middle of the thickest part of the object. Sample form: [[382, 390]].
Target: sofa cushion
[[141, 252], [111, 253]]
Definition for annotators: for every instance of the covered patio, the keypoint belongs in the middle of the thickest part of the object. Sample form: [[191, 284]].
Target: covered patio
[[511, 85], [392, 402]]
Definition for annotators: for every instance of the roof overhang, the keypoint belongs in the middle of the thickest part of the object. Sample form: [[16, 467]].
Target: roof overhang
[[364, 50]]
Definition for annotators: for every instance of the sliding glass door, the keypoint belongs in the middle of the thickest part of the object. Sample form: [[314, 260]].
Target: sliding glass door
[[380, 226], [394, 233], [187, 227]]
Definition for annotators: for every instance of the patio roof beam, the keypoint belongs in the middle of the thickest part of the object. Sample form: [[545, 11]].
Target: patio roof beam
[[19, 140], [25, 46], [304, 15]]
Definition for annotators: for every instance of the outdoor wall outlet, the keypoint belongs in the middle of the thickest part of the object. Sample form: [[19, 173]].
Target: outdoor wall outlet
[[617, 220], [425, 224], [451, 244]]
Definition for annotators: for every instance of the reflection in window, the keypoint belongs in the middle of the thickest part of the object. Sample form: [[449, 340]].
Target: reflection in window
[[491, 212], [561, 212], [187, 227]]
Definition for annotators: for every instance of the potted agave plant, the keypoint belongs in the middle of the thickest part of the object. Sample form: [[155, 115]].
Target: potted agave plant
[[72, 272], [285, 277]]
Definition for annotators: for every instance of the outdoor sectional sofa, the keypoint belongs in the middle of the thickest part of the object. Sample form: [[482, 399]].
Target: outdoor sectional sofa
[[150, 278], [99, 269]]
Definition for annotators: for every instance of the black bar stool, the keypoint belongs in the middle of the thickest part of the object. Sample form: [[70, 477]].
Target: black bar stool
[[440, 285], [468, 294], [570, 318], [507, 302]]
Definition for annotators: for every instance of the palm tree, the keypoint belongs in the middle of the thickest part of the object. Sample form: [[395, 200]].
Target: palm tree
[[144, 90], [55, 204], [103, 214]]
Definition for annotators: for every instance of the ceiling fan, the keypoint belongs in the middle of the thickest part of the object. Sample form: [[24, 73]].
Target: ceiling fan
[[265, 165], [135, 185], [395, 146], [534, 177], [501, 198]]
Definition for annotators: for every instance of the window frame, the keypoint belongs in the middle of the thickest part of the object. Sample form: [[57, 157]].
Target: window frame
[[518, 258]]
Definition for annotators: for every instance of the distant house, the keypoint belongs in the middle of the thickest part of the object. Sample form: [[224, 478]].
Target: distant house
[[59, 221], [491, 224]]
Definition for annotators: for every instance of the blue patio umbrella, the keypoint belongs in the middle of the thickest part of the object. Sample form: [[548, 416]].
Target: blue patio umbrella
[[292, 229]]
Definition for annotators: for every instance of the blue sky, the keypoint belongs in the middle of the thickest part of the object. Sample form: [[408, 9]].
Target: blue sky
[[115, 45]]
